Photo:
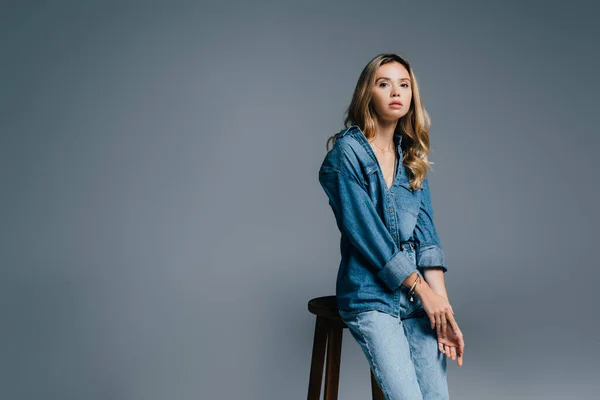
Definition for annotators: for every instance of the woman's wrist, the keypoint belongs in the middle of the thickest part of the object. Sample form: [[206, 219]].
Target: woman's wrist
[[422, 287], [408, 282], [439, 291]]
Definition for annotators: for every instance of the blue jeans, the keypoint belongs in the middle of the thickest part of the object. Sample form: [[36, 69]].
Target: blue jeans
[[402, 350]]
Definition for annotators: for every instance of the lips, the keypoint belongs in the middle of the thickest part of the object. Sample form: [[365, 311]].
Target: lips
[[396, 103]]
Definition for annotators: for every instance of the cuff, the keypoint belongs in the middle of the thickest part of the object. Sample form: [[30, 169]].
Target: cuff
[[396, 270], [431, 256]]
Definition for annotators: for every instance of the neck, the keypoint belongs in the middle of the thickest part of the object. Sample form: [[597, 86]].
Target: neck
[[384, 134]]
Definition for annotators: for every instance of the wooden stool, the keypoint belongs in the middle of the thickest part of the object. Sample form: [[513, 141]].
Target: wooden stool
[[328, 334]]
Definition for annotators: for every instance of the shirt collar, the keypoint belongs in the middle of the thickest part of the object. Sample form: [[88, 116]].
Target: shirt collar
[[358, 134]]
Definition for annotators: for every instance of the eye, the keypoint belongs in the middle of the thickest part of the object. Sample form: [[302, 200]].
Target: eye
[[405, 85], [382, 83]]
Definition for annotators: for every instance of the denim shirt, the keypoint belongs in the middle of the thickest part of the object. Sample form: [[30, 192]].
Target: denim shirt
[[378, 225]]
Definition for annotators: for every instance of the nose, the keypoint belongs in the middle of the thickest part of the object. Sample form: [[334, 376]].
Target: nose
[[396, 92]]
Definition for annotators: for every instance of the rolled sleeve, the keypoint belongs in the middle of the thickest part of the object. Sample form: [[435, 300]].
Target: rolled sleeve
[[357, 218], [429, 251], [431, 256], [396, 270]]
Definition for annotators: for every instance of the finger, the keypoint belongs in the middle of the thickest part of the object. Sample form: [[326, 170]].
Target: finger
[[441, 347], [448, 351], [453, 353], [461, 339], [455, 327], [432, 320], [453, 323], [438, 325], [460, 360], [444, 326]]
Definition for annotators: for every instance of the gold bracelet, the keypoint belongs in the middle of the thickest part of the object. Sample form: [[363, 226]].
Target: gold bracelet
[[412, 288]]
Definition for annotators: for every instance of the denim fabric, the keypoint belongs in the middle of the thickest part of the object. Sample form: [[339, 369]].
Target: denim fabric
[[376, 224], [402, 351], [403, 355]]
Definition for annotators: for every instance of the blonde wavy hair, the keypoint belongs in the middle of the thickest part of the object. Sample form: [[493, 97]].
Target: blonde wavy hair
[[414, 126]]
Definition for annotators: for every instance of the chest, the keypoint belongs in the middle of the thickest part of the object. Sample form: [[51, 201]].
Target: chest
[[388, 167], [389, 188]]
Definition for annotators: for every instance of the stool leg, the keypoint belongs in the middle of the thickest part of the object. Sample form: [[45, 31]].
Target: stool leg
[[318, 359], [375, 389], [334, 355]]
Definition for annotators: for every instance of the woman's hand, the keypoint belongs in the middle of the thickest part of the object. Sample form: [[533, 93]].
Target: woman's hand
[[441, 316], [437, 307], [453, 345]]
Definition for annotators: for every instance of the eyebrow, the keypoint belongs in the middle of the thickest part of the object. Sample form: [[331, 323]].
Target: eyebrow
[[388, 79]]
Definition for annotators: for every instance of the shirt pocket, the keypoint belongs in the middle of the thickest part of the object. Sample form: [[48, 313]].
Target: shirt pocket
[[407, 199], [372, 184]]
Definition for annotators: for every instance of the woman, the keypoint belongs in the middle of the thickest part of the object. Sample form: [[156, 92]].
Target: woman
[[390, 286]]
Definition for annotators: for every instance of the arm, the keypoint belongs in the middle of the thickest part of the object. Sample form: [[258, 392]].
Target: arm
[[433, 295], [357, 217], [430, 254], [435, 279]]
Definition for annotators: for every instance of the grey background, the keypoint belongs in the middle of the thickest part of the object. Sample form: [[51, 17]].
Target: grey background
[[162, 223]]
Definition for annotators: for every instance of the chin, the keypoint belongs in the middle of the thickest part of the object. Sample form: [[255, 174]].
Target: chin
[[394, 116]]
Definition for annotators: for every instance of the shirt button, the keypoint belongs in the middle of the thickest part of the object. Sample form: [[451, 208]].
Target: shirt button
[[391, 209], [393, 194]]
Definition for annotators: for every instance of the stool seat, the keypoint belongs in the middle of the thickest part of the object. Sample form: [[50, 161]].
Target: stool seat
[[325, 306], [328, 338]]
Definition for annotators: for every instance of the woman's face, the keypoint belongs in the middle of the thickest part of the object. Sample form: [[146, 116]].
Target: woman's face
[[392, 85]]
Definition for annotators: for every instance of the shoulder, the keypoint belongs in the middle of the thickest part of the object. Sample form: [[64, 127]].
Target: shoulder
[[347, 153]]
